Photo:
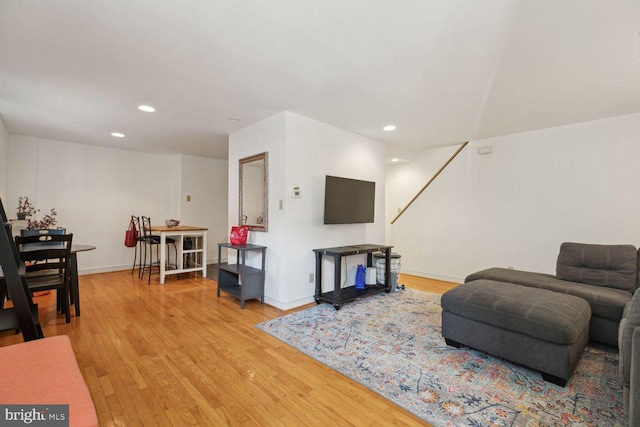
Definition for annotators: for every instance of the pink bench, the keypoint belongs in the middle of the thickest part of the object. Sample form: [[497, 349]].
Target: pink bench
[[45, 372]]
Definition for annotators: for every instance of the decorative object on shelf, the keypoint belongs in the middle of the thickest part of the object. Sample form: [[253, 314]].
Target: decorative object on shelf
[[172, 222], [49, 221], [131, 235], [360, 273], [25, 208], [239, 234]]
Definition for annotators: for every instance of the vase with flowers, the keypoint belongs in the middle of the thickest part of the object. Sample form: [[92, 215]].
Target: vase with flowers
[[25, 208], [48, 221]]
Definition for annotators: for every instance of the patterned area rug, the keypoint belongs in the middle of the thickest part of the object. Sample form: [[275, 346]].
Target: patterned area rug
[[391, 343]]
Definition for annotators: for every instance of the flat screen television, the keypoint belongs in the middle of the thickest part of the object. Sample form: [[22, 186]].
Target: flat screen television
[[348, 201]]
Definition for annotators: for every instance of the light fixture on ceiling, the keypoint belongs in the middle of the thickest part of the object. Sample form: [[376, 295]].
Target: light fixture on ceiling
[[396, 160], [146, 108], [389, 128], [117, 134], [234, 119]]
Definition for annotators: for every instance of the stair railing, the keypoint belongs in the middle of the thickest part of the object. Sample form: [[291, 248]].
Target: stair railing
[[464, 144]]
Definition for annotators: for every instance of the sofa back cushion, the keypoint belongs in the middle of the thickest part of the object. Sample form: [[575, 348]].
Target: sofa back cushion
[[613, 266]]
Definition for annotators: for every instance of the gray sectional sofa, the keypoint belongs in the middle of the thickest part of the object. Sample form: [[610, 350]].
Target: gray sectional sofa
[[629, 362], [606, 276]]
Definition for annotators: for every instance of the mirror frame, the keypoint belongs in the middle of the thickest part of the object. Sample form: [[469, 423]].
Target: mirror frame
[[265, 190]]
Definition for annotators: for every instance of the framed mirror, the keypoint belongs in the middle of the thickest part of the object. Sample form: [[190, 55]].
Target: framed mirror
[[254, 197]]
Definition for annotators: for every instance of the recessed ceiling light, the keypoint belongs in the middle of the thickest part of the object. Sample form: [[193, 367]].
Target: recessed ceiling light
[[146, 108], [395, 159], [234, 119], [117, 134], [389, 128]]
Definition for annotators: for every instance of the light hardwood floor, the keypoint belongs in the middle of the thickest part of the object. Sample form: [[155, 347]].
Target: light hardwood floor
[[176, 354]]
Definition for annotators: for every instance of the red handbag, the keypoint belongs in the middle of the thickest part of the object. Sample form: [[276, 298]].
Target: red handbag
[[131, 235], [239, 234]]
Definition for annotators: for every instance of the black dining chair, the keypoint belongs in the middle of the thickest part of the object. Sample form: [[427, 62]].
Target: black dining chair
[[150, 242], [43, 232], [47, 259], [23, 315]]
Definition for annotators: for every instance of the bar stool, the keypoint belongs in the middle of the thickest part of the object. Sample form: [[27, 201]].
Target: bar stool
[[150, 241]]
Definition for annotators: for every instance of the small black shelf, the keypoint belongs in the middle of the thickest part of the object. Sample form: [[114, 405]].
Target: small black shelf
[[233, 290], [240, 280], [241, 269]]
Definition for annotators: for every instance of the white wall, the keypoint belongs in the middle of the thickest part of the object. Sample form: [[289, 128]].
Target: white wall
[[314, 150], [4, 161], [515, 206], [301, 152], [95, 191], [265, 136], [206, 181]]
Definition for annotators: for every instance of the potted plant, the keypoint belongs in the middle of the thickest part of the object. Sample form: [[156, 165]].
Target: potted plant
[[25, 208], [49, 221]]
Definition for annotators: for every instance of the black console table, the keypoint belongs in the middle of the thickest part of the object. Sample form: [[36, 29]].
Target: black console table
[[341, 295]]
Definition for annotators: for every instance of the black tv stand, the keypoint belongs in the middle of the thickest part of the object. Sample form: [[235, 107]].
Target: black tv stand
[[339, 295]]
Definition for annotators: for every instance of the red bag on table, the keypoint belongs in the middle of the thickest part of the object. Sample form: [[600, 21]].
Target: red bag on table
[[239, 234]]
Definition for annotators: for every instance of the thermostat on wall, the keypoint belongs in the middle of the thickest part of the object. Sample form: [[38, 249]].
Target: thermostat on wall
[[296, 192]]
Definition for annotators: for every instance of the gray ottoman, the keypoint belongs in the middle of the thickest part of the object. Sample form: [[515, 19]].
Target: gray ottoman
[[540, 329]]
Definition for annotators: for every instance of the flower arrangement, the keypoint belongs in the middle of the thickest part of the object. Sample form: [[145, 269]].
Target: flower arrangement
[[25, 208], [49, 221]]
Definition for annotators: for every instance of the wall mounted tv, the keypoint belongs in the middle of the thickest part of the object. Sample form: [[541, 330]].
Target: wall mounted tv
[[348, 201]]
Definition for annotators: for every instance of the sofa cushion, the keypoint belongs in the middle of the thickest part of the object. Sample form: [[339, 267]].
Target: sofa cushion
[[630, 321], [607, 303], [611, 266]]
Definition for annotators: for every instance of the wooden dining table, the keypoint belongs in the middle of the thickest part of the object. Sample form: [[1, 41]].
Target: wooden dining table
[[190, 257], [75, 288]]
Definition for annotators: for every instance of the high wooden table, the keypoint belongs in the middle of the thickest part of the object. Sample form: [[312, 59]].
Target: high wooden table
[[191, 246]]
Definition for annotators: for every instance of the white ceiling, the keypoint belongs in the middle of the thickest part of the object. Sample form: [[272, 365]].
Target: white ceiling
[[443, 71]]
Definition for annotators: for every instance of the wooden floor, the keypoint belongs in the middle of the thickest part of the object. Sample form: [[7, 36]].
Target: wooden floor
[[155, 355]]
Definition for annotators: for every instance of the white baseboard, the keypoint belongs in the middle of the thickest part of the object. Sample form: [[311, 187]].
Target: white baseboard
[[288, 305], [433, 276], [83, 271]]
